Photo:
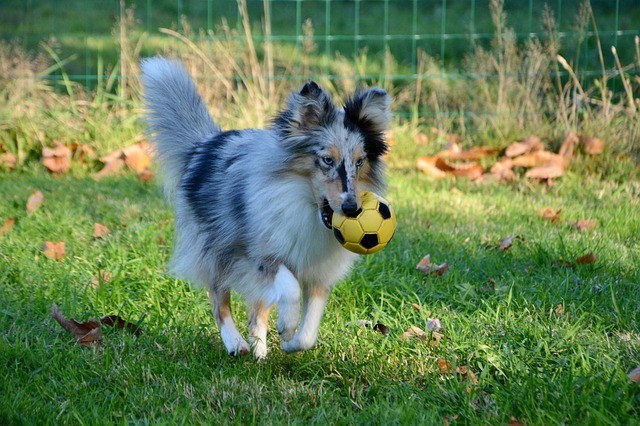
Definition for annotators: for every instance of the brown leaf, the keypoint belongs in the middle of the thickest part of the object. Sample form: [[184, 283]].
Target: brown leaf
[[58, 159], [569, 145], [110, 168], [84, 332], [7, 226], [54, 251], [584, 224], [414, 331], [136, 157], [434, 324], [381, 328], [445, 366], [529, 144], [117, 321], [99, 230], [503, 169], [559, 309], [145, 176], [103, 277], [515, 422], [8, 160], [508, 242], [428, 165], [534, 159], [426, 267], [475, 153], [416, 307], [586, 259], [471, 170], [82, 152], [550, 214], [592, 146], [34, 202], [634, 375], [553, 169]]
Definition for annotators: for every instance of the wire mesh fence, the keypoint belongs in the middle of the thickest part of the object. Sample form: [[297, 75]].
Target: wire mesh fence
[[451, 32]]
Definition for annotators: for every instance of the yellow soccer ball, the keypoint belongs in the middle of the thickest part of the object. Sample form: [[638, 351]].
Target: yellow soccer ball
[[368, 230]]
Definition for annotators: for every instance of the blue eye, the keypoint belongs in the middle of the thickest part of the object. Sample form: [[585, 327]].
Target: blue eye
[[328, 161], [359, 163]]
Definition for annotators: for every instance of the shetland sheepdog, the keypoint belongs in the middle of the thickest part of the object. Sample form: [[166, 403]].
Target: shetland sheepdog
[[253, 207]]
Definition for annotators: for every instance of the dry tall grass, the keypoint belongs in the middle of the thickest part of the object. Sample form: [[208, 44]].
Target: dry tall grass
[[512, 90]]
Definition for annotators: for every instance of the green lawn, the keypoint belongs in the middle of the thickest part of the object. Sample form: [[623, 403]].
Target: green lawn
[[541, 342]]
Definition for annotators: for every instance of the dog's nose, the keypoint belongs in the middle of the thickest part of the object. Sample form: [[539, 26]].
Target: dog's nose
[[349, 206]]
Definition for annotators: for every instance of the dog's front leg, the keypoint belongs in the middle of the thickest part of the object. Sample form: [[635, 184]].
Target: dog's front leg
[[287, 291], [315, 300]]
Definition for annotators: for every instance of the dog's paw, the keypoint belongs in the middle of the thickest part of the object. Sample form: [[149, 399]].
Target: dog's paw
[[286, 328], [259, 348], [240, 350], [296, 344]]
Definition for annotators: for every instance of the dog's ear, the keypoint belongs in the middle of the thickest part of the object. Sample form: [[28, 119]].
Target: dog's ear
[[307, 109], [369, 110], [369, 113]]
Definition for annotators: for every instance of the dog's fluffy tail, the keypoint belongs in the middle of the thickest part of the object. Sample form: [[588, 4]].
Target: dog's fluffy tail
[[177, 118]]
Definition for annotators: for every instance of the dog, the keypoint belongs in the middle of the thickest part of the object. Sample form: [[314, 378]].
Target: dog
[[253, 207]]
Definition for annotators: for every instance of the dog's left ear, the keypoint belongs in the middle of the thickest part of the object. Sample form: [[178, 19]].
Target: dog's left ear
[[369, 110]]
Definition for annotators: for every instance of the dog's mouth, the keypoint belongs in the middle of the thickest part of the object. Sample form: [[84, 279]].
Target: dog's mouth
[[326, 214]]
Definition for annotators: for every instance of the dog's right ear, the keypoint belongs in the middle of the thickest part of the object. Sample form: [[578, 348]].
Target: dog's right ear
[[307, 109]]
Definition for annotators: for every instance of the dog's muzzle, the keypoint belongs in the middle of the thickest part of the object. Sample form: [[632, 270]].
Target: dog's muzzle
[[326, 214]]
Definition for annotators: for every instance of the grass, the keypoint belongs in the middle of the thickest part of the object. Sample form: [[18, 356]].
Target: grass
[[499, 311], [541, 343]]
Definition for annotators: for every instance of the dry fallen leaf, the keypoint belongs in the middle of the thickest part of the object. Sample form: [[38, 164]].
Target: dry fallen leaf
[[550, 214], [414, 331], [426, 267], [474, 153], [428, 165], [58, 159], [569, 145], [416, 307], [434, 324], [470, 170], [634, 375], [445, 366], [85, 333], [508, 242], [534, 159], [553, 169], [515, 422], [584, 224], [559, 309], [99, 230], [592, 146], [54, 251], [8, 160], [7, 226], [103, 277], [82, 152], [529, 144], [35, 200], [586, 259], [136, 157], [118, 322], [381, 328], [110, 168]]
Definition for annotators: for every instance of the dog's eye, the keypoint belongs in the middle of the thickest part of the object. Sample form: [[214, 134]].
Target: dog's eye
[[359, 163], [328, 161]]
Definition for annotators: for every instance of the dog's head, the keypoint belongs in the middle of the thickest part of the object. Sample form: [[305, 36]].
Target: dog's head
[[339, 149]]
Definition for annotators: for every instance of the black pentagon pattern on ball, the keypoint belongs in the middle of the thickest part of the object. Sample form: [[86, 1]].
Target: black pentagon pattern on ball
[[369, 241], [338, 235], [384, 211]]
